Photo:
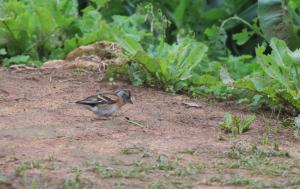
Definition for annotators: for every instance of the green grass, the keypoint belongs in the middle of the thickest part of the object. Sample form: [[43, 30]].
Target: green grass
[[252, 159], [136, 149], [163, 171], [135, 171], [73, 183], [33, 183], [244, 181], [156, 185], [163, 167], [190, 151], [34, 164], [263, 162], [22, 168], [36, 183]]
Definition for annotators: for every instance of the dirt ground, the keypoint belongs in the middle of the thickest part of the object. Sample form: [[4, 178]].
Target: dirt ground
[[47, 141]]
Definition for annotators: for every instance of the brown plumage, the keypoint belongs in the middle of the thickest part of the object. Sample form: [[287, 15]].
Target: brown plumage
[[106, 104]]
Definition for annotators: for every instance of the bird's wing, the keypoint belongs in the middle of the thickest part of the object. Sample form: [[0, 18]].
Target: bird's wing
[[99, 99]]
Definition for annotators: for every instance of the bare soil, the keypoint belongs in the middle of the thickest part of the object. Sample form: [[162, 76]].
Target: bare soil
[[47, 141]]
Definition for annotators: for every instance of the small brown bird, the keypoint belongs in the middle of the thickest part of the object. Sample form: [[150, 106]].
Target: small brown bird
[[106, 104]]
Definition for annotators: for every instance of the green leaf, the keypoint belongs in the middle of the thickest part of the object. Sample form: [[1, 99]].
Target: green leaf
[[282, 67], [126, 42], [179, 13], [245, 124], [242, 37], [100, 3], [215, 14], [228, 122], [275, 21], [150, 63], [3, 51], [89, 22], [205, 80], [68, 7], [20, 59]]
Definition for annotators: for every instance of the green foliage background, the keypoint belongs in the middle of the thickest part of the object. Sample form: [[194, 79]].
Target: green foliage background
[[230, 49]]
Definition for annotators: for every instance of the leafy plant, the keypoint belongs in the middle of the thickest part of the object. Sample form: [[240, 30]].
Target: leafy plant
[[235, 125], [33, 27], [276, 21], [34, 31], [172, 65], [282, 68]]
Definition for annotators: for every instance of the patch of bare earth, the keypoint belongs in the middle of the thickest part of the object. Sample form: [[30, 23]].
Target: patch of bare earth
[[47, 141]]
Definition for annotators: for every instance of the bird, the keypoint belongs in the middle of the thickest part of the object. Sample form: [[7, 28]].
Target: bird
[[105, 105]]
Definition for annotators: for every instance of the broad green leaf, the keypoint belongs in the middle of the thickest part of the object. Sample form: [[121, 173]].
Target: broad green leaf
[[100, 3], [47, 23], [275, 21], [179, 12], [3, 51], [150, 63], [215, 14], [282, 66], [246, 123], [245, 83], [89, 22], [68, 7], [20, 59], [242, 37], [205, 80], [126, 42], [197, 52]]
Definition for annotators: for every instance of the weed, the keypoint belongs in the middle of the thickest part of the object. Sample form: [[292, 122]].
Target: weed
[[21, 169], [243, 181], [258, 160], [265, 140], [34, 183], [73, 183], [215, 179], [119, 186], [135, 149], [156, 185], [235, 125], [182, 185], [162, 163], [189, 170], [115, 161], [190, 151], [131, 172]]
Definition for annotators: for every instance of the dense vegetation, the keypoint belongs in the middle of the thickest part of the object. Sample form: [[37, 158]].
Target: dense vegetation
[[246, 50]]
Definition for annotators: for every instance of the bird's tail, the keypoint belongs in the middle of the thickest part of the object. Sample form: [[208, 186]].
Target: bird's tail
[[86, 103], [81, 102]]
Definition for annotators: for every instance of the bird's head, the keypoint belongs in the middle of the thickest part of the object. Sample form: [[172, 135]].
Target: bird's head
[[124, 95]]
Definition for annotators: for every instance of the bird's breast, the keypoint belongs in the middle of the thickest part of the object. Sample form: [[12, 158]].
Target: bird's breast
[[105, 110]]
